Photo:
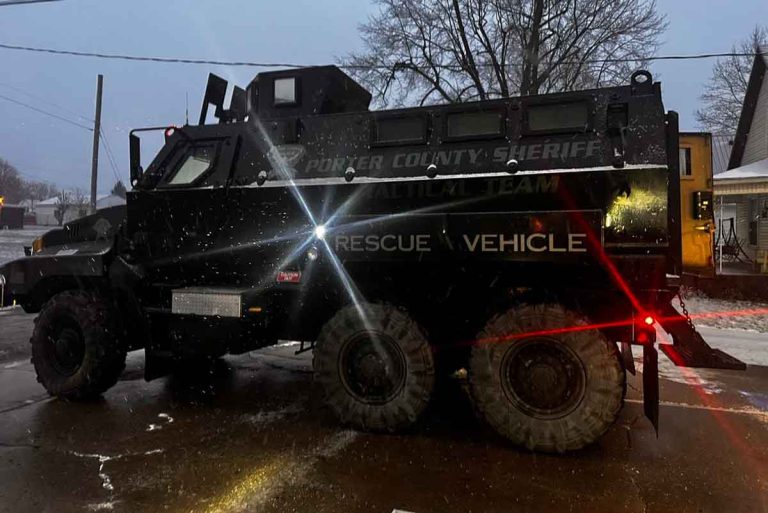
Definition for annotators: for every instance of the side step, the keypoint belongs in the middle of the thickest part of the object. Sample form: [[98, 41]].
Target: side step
[[689, 349]]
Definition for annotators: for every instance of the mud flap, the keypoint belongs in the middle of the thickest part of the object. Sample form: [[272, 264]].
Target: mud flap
[[689, 349], [628, 358], [651, 385]]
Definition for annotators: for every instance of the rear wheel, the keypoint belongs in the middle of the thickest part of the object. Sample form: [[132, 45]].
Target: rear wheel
[[375, 367], [76, 348], [551, 391]]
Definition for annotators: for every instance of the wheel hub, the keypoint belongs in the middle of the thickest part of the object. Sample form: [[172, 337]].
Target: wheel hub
[[373, 368], [543, 377], [68, 350]]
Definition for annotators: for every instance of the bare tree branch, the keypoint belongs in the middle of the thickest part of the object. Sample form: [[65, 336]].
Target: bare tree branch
[[724, 93], [458, 50]]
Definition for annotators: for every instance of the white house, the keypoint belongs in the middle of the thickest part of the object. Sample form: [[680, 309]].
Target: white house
[[44, 210], [741, 193]]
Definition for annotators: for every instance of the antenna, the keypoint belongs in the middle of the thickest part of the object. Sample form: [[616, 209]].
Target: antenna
[[186, 108]]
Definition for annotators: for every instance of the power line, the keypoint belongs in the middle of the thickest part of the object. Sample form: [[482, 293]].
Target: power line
[[4, 3], [110, 157], [107, 147], [46, 113], [46, 101], [178, 60], [151, 59]]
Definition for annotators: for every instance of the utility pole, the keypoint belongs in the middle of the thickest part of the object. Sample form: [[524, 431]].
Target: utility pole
[[96, 132]]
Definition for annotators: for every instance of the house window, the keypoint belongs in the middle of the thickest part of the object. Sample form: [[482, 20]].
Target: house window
[[754, 215], [685, 162]]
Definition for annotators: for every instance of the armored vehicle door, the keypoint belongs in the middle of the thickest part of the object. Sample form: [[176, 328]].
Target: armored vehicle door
[[696, 203], [178, 221]]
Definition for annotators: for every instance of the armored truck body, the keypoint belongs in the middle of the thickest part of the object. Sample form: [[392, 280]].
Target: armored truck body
[[531, 241]]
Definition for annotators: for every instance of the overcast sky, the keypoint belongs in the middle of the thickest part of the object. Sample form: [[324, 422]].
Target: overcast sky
[[302, 31]]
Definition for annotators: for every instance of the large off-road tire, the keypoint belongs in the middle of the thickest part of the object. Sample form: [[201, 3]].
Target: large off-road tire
[[553, 391], [375, 367], [76, 345]]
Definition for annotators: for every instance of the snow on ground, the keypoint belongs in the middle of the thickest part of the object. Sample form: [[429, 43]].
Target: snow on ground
[[748, 346], [727, 313], [12, 242]]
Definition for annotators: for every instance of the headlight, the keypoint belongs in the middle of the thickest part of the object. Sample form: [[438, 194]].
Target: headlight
[[37, 245]]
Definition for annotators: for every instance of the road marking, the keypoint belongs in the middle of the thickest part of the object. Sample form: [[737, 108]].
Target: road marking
[[739, 411], [106, 481], [167, 418], [28, 403]]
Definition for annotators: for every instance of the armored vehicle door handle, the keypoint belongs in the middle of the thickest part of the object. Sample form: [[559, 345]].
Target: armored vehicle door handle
[[703, 227]]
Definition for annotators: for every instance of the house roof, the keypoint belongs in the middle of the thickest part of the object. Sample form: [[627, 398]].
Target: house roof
[[721, 152], [55, 199], [756, 77], [49, 201], [756, 170]]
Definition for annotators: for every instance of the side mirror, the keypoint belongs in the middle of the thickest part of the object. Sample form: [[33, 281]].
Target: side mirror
[[135, 158]]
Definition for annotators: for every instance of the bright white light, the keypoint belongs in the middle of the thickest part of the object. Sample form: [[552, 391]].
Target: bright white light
[[320, 231]]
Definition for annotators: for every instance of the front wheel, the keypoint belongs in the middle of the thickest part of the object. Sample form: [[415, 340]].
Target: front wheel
[[543, 385], [375, 367], [76, 347]]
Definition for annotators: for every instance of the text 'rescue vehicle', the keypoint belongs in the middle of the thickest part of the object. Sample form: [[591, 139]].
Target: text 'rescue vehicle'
[[531, 241]]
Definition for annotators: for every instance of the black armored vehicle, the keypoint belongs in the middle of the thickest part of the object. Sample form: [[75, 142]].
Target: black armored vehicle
[[531, 241]]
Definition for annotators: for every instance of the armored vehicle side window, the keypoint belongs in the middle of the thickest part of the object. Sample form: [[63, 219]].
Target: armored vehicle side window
[[285, 91], [399, 130], [558, 117], [470, 125], [193, 166]]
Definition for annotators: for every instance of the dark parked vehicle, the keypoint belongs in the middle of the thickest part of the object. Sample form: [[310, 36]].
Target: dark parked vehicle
[[11, 217], [532, 241]]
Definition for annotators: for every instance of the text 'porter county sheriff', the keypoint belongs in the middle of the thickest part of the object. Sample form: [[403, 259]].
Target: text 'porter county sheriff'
[[470, 157]]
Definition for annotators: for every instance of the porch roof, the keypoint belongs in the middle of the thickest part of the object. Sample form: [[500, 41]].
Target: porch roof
[[749, 179]]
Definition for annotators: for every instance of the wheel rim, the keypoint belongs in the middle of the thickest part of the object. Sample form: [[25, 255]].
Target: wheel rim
[[543, 377], [372, 367], [67, 349]]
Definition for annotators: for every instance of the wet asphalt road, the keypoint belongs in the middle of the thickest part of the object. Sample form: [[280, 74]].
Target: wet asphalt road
[[252, 436]]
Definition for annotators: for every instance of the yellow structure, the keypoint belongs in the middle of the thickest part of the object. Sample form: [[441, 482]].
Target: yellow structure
[[696, 203]]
